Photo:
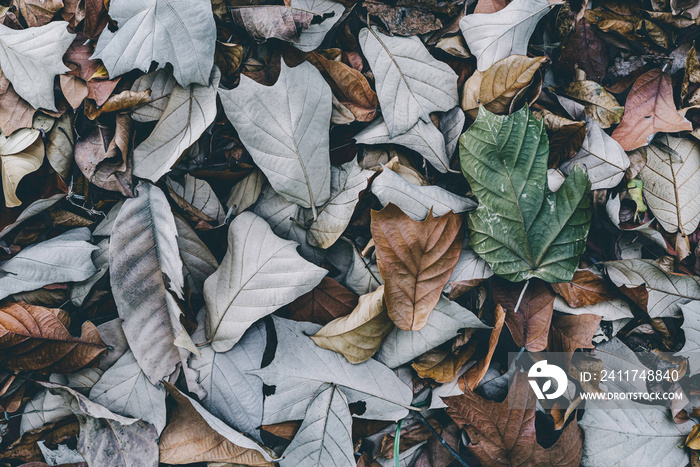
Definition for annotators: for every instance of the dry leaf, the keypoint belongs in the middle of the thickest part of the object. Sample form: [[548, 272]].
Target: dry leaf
[[415, 260], [474, 375], [529, 325], [586, 288], [650, 109], [327, 301], [357, 335]]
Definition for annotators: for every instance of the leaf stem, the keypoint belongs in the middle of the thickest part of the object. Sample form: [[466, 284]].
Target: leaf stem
[[397, 436], [520, 298]]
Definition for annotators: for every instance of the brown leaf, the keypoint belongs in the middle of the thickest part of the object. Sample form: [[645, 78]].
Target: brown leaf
[[502, 436], [565, 136], [38, 12], [74, 89], [571, 332], [585, 289], [34, 338], [123, 101], [228, 57], [500, 88], [99, 90], [598, 103], [284, 430], [610, 21], [410, 436], [585, 50], [15, 112], [692, 72], [440, 365], [349, 86], [78, 55], [415, 260], [95, 18], [649, 109], [530, 324], [26, 449], [402, 20], [327, 301], [474, 375], [188, 438], [273, 22], [102, 156], [358, 335]]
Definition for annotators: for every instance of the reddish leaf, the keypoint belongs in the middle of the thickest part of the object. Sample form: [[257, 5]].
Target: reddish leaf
[[328, 301], [530, 324]]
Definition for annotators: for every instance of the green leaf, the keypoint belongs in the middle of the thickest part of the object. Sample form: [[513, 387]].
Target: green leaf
[[521, 228]]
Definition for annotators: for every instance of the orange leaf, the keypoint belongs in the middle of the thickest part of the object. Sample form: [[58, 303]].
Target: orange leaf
[[415, 260], [472, 378], [649, 109], [585, 289]]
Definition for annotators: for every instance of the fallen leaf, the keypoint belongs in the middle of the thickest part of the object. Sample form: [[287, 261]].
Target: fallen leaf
[[264, 22], [35, 338], [415, 260], [529, 324], [585, 50], [125, 100], [505, 161], [572, 332], [650, 109], [108, 439], [37, 12], [671, 176], [358, 335], [195, 435], [474, 375], [417, 201], [70, 261], [189, 112], [500, 87], [31, 59], [601, 156], [146, 279], [161, 83], [327, 301], [200, 195], [324, 436], [406, 73], [20, 154], [154, 31], [403, 21], [495, 36], [294, 137], [15, 112], [232, 394], [300, 368], [500, 435], [237, 297], [599, 104], [585, 288], [445, 322], [665, 291]]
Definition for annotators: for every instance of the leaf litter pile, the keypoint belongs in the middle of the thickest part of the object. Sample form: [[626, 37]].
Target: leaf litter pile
[[309, 233]]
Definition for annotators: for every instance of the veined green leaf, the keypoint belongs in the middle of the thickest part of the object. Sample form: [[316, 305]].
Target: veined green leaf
[[521, 228]]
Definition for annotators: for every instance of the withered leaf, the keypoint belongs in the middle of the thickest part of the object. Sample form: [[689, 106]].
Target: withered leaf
[[35, 338], [649, 109], [503, 436], [586, 288], [530, 324], [415, 260], [327, 301]]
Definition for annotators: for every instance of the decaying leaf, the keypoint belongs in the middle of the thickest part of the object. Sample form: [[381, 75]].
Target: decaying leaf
[[599, 104], [155, 31], [529, 324], [415, 260]]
